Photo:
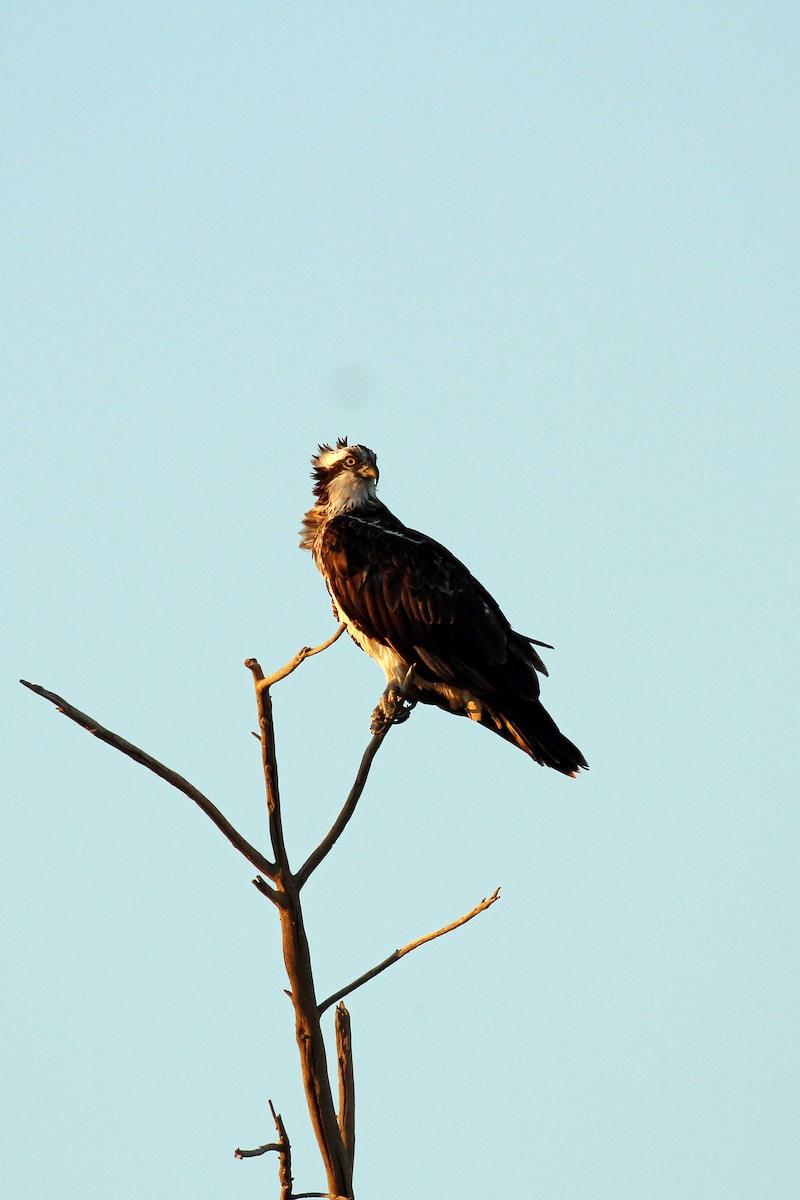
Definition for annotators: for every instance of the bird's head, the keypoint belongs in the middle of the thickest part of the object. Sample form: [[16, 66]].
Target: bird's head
[[345, 477]]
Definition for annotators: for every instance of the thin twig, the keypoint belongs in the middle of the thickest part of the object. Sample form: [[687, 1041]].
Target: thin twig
[[349, 807], [398, 954], [259, 861], [301, 656], [239, 1153], [332, 836]]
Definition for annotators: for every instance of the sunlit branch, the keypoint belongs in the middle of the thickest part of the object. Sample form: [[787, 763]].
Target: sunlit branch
[[301, 656], [172, 777], [297, 959], [270, 764], [347, 1089], [349, 807], [398, 954], [271, 893]]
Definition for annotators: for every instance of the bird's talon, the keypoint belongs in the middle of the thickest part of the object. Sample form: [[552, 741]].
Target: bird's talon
[[403, 711], [392, 709]]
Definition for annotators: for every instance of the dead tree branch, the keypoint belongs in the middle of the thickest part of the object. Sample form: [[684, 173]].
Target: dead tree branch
[[283, 1149], [347, 1089], [487, 902], [349, 807], [301, 656], [270, 764], [334, 1131], [172, 777], [259, 1150], [284, 1156], [297, 957], [270, 892]]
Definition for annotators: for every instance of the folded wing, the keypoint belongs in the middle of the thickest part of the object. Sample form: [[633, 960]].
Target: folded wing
[[408, 592]]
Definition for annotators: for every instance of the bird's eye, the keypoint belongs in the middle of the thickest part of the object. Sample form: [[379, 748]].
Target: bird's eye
[[350, 461]]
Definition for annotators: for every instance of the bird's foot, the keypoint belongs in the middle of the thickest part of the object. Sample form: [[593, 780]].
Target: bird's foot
[[393, 708]]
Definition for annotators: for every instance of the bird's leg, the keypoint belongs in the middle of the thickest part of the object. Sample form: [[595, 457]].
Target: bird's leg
[[393, 708]]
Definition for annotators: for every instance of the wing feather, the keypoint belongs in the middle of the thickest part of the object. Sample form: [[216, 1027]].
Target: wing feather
[[406, 591]]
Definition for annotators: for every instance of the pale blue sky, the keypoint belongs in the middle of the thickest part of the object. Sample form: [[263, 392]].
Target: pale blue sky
[[543, 259]]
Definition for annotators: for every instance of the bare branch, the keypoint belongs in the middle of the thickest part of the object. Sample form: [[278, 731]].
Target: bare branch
[[283, 1149], [177, 781], [285, 1152], [297, 959], [398, 954], [349, 807], [238, 1153], [301, 656], [270, 764], [347, 1092], [271, 893]]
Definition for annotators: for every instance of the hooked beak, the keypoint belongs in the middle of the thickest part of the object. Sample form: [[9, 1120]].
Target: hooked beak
[[369, 471]]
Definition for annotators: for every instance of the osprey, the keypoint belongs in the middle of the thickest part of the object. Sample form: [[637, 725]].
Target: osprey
[[408, 602]]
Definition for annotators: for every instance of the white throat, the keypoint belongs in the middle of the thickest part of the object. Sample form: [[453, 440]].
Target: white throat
[[347, 491]]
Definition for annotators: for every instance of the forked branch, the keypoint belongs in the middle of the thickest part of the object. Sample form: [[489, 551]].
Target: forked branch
[[284, 1151], [335, 1132], [487, 902]]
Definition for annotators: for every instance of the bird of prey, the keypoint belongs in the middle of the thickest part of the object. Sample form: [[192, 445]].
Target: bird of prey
[[408, 602]]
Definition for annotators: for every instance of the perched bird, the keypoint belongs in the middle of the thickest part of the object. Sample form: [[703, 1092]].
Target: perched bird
[[408, 602]]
